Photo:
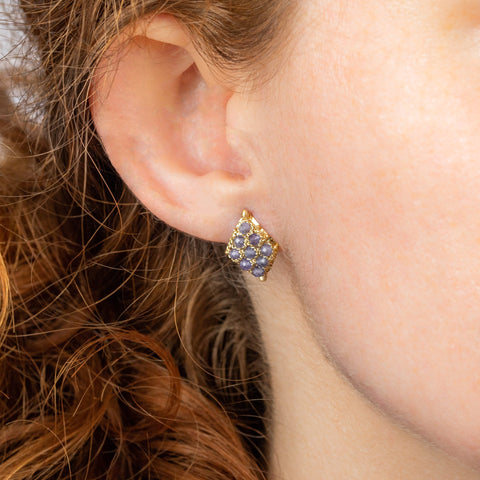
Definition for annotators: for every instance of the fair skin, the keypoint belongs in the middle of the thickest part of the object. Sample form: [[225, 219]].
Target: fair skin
[[360, 157]]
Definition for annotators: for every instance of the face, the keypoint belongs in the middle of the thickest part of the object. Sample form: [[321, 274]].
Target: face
[[370, 137]]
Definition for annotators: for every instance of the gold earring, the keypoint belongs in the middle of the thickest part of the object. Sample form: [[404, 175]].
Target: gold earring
[[251, 247]]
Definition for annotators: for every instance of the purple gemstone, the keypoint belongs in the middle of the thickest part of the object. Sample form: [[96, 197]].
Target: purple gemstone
[[258, 272], [262, 261], [239, 241], [244, 227], [234, 254], [245, 264], [250, 252], [254, 239], [266, 250]]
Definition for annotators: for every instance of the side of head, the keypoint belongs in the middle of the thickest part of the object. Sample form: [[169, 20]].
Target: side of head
[[360, 157], [350, 130]]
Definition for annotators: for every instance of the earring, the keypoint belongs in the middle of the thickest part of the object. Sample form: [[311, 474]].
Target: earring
[[251, 247]]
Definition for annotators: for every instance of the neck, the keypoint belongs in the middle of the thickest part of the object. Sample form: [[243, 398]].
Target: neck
[[322, 427]]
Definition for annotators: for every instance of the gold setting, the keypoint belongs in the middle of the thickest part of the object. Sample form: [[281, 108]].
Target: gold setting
[[242, 244]]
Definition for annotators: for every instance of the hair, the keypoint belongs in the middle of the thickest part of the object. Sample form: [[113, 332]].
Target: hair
[[127, 349]]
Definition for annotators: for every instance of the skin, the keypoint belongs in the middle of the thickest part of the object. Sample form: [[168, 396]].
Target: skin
[[376, 140], [360, 157]]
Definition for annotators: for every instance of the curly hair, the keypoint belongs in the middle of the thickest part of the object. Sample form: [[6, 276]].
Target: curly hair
[[127, 349]]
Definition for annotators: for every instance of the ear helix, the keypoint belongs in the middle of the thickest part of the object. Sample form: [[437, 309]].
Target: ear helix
[[251, 247]]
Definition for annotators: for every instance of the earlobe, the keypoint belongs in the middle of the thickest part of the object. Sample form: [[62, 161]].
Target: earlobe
[[161, 116]]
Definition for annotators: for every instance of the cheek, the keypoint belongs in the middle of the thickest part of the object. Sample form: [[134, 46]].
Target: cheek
[[380, 156]]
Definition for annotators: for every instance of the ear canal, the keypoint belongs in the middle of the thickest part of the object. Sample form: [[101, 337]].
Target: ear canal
[[163, 126]]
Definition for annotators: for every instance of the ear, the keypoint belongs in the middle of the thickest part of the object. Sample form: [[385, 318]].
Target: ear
[[160, 112]]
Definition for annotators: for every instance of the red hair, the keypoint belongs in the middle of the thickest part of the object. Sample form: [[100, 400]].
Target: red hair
[[128, 349]]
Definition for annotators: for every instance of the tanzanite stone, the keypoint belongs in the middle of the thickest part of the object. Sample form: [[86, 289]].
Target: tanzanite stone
[[258, 272], [262, 261], [244, 227], [266, 250], [250, 252], [245, 264], [239, 241], [254, 239], [234, 254]]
